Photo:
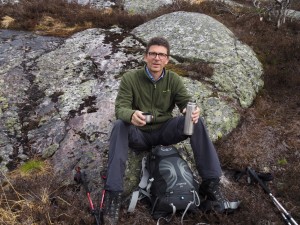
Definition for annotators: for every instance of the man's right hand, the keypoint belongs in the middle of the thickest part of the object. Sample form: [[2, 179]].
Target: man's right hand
[[138, 119]]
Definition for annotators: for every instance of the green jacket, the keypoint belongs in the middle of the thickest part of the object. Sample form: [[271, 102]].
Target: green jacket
[[138, 92]]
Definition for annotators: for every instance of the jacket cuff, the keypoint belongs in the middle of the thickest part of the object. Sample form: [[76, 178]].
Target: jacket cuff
[[126, 115]]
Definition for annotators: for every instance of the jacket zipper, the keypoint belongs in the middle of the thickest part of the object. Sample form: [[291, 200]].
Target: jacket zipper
[[153, 94]]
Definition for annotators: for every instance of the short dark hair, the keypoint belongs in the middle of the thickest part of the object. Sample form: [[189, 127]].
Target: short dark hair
[[158, 41]]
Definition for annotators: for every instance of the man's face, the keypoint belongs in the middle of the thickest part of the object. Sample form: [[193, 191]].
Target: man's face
[[156, 59]]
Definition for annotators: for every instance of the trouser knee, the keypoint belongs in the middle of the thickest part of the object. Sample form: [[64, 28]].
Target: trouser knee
[[120, 124]]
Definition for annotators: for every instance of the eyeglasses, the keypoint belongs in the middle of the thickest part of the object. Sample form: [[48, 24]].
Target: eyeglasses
[[160, 55]]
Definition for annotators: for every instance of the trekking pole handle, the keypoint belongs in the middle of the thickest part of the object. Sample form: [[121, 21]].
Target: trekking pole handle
[[81, 179], [254, 175]]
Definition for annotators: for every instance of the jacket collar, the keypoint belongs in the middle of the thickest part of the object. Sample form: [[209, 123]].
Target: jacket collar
[[151, 77]]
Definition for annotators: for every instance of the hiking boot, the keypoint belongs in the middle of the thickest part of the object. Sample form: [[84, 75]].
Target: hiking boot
[[210, 190], [112, 206]]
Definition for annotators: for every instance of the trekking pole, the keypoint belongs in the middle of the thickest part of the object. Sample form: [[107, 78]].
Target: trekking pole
[[286, 216], [81, 179], [101, 218]]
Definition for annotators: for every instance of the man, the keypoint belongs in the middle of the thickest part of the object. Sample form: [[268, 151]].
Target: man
[[156, 90]]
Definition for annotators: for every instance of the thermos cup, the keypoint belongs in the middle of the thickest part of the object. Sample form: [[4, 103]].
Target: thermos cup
[[188, 123], [148, 117]]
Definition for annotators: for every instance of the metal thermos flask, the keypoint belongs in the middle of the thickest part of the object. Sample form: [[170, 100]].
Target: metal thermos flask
[[188, 123]]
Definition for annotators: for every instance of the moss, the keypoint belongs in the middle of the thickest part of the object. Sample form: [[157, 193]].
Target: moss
[[177, 69], [48, 152], [132, 174], [32, 166], [195, 70], [11, 124], [282, 162], [3, 104]]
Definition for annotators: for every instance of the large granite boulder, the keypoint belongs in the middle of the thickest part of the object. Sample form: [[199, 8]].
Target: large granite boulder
[[237, 71], [57, 95]]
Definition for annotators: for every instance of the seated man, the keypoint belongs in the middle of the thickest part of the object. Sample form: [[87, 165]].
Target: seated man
[[156, 90]]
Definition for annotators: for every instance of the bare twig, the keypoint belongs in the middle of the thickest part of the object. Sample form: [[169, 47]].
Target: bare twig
[[17, 193], [274, 9]]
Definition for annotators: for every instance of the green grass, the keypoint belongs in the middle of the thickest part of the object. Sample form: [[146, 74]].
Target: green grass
[[32, 166]]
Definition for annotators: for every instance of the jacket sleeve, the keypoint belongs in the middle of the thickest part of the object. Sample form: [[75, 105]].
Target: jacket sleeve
[[123, 106], [181, 97]]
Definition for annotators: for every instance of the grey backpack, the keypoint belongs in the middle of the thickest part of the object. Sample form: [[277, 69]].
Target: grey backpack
[[168, 182]]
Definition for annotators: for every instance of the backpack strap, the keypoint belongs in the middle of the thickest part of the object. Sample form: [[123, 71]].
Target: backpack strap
[[133, 201], [171, 217], [145, 174], [196, 198], [186, 209], [196, 201], [144, 187]]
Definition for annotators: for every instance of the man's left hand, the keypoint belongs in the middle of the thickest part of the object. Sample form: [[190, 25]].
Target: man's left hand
[[195, 114]]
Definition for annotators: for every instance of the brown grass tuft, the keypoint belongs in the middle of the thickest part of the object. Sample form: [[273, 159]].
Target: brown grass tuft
[[7, 21], [41, 199], [51, 26]]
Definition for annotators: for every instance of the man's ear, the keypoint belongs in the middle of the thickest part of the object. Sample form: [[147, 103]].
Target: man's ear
[[167, 61]]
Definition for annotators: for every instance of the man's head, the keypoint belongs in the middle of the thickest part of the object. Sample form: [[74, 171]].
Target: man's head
[[160, 41], [157, 55]]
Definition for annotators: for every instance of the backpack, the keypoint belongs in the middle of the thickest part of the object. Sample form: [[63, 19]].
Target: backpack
[[168, 182]]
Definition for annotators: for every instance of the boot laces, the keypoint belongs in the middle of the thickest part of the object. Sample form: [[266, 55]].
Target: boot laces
[[217, 194]]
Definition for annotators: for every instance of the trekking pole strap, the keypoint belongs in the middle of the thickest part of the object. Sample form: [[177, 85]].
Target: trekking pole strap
[[253, 174]]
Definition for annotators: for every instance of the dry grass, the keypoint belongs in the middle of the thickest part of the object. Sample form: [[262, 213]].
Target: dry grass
[[51, 26], [7, 21], [13, 203], [39, 198], [60, 18], [294, 4]]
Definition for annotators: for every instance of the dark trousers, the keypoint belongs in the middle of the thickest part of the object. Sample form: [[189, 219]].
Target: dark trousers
[[125, 134]]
